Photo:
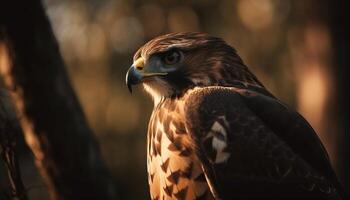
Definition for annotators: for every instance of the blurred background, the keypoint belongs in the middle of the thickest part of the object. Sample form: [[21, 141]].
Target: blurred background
[[287, 44]]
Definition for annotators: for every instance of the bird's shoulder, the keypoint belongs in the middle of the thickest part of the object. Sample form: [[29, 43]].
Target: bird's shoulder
[[220, 94], [210, 101]]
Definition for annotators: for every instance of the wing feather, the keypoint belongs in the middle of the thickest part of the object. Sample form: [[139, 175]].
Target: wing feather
[[252, 146]]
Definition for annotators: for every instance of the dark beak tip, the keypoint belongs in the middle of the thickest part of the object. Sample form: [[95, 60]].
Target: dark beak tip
[[128, 83], [130, 88], [131, 78]]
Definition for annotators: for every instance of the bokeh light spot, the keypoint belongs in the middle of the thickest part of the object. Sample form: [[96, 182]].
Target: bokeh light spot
[[254, 14]]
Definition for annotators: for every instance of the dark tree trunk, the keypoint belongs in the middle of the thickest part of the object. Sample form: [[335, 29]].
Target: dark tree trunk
[[52, 120], [341, 39]]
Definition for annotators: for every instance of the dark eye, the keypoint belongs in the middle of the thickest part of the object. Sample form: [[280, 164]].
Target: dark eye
[[172, 57]]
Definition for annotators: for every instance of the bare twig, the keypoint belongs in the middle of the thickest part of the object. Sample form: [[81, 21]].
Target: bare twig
[[8, 138]]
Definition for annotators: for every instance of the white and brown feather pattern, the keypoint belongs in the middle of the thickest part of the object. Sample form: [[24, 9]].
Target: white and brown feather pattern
[[216, 141], [173, 168]]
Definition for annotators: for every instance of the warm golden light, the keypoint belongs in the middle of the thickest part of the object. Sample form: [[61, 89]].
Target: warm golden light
[[312, 94], [254, 14]]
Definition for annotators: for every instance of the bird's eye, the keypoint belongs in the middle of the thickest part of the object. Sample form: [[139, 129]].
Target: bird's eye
[[172, 57]]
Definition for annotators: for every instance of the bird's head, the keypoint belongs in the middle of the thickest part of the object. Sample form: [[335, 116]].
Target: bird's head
[[171, 64]]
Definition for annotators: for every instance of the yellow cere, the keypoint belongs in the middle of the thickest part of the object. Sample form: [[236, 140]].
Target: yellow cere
[[139, 63]]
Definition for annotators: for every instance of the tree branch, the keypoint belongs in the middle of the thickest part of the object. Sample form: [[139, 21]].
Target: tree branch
[[52, 120]]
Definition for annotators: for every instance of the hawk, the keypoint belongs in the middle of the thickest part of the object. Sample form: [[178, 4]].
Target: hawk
[[217, 133]]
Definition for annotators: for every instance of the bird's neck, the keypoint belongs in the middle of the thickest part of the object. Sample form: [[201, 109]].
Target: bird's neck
[[156, 94]]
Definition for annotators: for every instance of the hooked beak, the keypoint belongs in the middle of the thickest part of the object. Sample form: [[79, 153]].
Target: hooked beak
[[132, 78], [137, 73]]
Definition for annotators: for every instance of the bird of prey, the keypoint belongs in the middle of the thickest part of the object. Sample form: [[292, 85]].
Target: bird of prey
[[217, 133]]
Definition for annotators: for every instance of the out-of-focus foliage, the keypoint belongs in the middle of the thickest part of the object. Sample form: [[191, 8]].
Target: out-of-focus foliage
[[285, 43]]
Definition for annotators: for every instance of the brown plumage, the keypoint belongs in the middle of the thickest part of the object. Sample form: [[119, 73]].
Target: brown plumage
[[217, 133]]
